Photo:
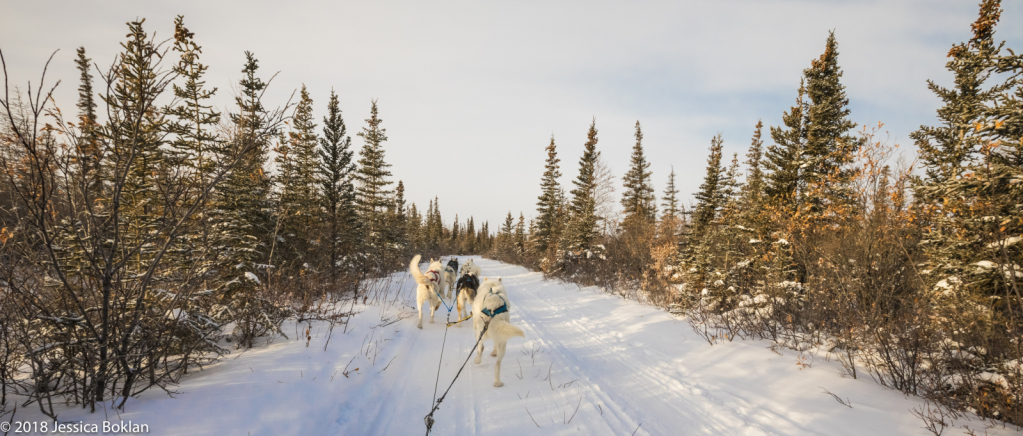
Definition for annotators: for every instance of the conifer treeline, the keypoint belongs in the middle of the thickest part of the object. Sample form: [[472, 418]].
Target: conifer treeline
[[825, 240], [132, 245]]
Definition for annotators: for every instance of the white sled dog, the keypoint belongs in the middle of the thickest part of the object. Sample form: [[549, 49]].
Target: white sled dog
[[449, 280], [428, 286], [471, 267], [492, 305]]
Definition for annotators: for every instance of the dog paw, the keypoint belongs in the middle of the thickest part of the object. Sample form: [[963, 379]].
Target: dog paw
[[477, 360], [431, 321], [498, 384], [493, 353]]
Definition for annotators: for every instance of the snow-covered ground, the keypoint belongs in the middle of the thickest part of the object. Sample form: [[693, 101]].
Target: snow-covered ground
[[591, 364]]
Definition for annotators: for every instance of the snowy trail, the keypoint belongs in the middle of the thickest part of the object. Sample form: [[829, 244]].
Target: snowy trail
[[591, 363]]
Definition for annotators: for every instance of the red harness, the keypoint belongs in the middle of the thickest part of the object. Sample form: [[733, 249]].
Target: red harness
[[435, 274]]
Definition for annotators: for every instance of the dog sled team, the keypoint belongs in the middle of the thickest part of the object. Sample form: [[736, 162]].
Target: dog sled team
[[489, 301]]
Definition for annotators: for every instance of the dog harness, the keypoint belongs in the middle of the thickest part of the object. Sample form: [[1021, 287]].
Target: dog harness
[[435, 275], [499, 310]]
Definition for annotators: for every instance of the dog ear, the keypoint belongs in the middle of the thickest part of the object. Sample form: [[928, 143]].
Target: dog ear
[[498, 279]]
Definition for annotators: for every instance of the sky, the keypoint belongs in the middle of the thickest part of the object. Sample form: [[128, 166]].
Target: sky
[[472, 91]]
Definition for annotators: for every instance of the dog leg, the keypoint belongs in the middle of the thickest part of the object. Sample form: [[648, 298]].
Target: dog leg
[[433, 311], [499, 348], [458, 303], [419, 307], [479, 350]]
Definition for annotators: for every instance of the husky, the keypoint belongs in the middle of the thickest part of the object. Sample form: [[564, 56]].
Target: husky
[[465, 291], [450, 272], [492, 306], [428, 286], [471, 267]]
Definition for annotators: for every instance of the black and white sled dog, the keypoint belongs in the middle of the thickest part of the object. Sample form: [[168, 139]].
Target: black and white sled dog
[[429, 286], [471, 267], [465, 293], [450, 272], [492, 305]]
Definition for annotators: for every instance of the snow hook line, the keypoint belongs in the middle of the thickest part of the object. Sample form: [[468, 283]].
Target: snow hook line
[[429, 417]]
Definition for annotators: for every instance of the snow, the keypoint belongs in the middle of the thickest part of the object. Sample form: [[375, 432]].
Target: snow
[[591, 363], [251, 276], [1007, 242]]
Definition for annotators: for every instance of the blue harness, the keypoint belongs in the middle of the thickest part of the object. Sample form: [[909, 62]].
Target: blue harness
[[498, 311]]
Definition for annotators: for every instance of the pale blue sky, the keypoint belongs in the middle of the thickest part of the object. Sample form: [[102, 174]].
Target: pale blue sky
[[470, 91]]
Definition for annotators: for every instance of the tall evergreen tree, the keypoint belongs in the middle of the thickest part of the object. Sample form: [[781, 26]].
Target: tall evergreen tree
[[784, 158], [752, 200], [547, 208], [754, 186], [195, 118], [194, 147], [698, 256], [829, 148], [88, 143], [670, 199], [397, 219], [505, 235], [731, 188], [469, 245], [371, 192], [520, 234], [582, 226], [638, 198], [336, 182], [972, 164], [242, 212], [710, 197], [300, 198]]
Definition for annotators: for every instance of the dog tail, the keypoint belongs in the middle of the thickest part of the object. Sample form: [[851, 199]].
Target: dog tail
[[413, 267], [508, 331]]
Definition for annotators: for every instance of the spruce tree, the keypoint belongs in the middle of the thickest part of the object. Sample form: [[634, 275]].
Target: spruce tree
[[429, 238], [731, 188], [299, 199], [336, 174], [784, 158], [711, 196], [670, 199], [242, 211], [195, 119], [414, 230], [698, 254], [752, 214], [88, 143], [753, 189], [971, 190], [372, 195], [505, 235], [520, 234], [456, 233], [582, 226], [194, 147], [547, 208], [829, 146], [638, 198], [469, 246], [397, 221]]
